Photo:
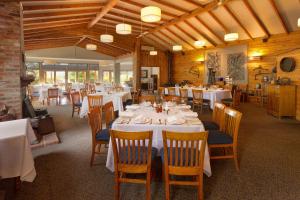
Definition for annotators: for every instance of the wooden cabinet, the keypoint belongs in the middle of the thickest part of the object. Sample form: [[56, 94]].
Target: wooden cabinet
[[282, 100]]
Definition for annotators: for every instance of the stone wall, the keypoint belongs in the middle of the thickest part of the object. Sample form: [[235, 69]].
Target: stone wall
[[10, 56]]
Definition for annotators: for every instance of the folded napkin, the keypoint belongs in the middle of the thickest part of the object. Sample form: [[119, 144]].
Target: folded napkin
[[126, 114], [175, 120], [190, 114], [170, 104], [146, 103], [133, 106], [141, 119], [183, 106]]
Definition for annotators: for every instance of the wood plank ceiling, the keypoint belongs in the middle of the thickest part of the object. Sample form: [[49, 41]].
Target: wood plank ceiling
[[57, 23]]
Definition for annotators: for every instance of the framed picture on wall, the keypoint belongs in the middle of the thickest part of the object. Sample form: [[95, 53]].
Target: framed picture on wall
[[144, 73]]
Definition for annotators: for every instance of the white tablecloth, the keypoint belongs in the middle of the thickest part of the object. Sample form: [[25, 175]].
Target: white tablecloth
[[117, 98], [214, 95], [157, 140], [78, 86], [15, 153]]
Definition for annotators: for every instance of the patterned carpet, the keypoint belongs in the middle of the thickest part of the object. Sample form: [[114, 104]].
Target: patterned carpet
[[269, 151]]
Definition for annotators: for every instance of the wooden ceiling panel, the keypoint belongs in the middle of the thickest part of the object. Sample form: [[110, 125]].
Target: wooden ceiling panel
[[174, 39], [213, 24], [243, 14], [229, 22]]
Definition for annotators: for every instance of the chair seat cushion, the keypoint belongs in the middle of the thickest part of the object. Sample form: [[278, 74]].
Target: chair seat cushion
[[103, 135], [134, 154], [229, 100], [78, 104], [209, 125], [219, 137]]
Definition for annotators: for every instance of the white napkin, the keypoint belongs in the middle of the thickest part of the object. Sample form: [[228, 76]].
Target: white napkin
[[140, 119], [183, 106], [133, 106], [146, 103], [126, 114], [190, 114], [175, 120]]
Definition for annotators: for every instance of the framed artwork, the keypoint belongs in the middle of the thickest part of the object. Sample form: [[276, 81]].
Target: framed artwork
[[144, 73]]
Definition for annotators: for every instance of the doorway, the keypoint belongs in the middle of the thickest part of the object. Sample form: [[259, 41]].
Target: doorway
[[150, 79]]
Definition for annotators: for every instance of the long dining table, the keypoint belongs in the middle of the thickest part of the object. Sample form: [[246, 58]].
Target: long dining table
[[214, 95], [144, 118], [116, 97]]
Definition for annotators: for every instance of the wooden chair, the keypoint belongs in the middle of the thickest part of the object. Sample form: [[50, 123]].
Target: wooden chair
[[95, 101], [99, 136], [183, 95], [235, 101], [161, 91], [217, 118], [198, 99], [76, 104], [135, 96], [83, 93], [92, 88], [227, 136], [172, 98], [150, 98], [244, 92], [53, 94], [183, 155], [109, 114], [132, 155], [172, 91]]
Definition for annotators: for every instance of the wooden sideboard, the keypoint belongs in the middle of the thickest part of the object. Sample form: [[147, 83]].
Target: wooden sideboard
[[282, 100]]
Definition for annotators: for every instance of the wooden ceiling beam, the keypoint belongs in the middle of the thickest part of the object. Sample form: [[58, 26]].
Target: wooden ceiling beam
[[169, 38], [56, 22], [193, 3], [46, 20], [121, 20], [237, 21], [52, 38], [81, 40], [158, 41], [59, 14], [101, 47], [83, 9], [218, 21], [109, 44], [202, 34], [186, 33], [161, 38], [257, 19], [61, 6], [130, 2], [113, 28], [188, 15], [280, 17], [51, 26], [110, 4], [210, 29], [170, 5], [180, 38], [154, 43]]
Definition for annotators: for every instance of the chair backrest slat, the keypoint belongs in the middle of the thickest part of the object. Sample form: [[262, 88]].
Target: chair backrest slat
[[95, 101], [232, 120], [197, 95], [109, 113], [95, 121], [172, 91], [218, 114]]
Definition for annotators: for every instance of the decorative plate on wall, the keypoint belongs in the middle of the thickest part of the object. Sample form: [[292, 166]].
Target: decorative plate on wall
[[287, 64]]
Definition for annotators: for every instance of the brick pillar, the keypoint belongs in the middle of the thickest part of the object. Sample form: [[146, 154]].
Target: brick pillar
[[10, 56]]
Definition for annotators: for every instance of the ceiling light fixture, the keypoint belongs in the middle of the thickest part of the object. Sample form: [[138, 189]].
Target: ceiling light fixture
[[177, 48], [153, 53], [123, 29], [151, 14], [106, 38], [91, 47], [199, 43], [298, 22], [231, 37]]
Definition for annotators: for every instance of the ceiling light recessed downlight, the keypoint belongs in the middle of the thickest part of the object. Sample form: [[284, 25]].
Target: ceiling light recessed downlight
[[106, 38], [151, 14], [153, 53], [123, 29], [91, 47], [231, 37], [199, 43], [177, 48]]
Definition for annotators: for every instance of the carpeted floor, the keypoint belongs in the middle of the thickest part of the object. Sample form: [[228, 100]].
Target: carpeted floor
[[269, 151]]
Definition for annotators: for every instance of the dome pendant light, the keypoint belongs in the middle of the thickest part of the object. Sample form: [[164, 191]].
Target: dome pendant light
[[151, 14], [123, 29], [298, 22], [153, 53], [91, 47], [231, 37], [106, 38]]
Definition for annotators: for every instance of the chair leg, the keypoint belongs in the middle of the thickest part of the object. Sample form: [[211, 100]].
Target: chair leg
[[200, 187], [167, 186], [93, 155], [117, 188], [148, 186], [236, 162], [73, 111]]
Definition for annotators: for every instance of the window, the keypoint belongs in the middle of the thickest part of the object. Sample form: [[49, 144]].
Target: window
[[49, 77], [125, 76], [60, 77], [108, 76], [71, 77], [93, 76], [81, 76]]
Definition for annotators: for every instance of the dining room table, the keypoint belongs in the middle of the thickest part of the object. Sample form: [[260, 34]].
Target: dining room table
[[116, 97], [143, 117], [16, 159], [214, 95]]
